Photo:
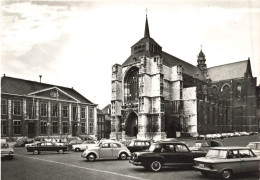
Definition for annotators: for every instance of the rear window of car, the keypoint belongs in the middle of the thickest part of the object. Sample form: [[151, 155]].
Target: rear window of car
[[217, 153]]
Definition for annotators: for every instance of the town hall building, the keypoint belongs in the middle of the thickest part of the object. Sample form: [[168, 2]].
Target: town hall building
[[156, 95]]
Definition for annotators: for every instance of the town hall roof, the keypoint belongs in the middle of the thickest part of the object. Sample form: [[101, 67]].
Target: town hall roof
[[229, 71], [17, 86]]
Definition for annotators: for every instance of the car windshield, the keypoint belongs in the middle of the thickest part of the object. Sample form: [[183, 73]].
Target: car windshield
[[217, 153], [153, 147], [131, 143], [198, 144]]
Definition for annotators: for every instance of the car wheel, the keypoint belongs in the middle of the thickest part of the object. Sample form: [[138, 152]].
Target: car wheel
[[60, 151], [156, 166], [77, 149], [91, 157], [36, 152], [226, 174], [123, 156]]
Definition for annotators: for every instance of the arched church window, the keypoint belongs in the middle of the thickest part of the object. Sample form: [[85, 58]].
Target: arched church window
[[132, 85], [226, 90], [238, 93]]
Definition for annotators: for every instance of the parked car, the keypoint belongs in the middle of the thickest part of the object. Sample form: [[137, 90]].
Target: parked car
[[255, 146], [31, 144], [73, 142], [7, 151], [47, 146], [83, 146], [138, 145], [165, 154], [106, 150], [201, 137], [208, 136], [205, 145], [226, 161], [219, 135], [237, 134]]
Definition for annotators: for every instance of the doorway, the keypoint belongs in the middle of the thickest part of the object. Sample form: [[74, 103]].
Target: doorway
[[132, 125], [74, 129], [31, 130]]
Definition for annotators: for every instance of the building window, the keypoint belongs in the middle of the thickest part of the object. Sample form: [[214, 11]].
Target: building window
[[43, 127], [65, 111], [91, 113], [55, 127], [43, 109], [74, 113], [65, 127], [17, 127], [83, 128], [17, 107], [3, 127], [30, 110], [83, 113], [162, 105], [91, 127], [131, 86], [238, 90], [4, 106], [54, 110]]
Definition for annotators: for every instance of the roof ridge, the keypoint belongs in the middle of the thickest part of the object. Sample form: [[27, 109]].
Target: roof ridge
[[228, 64], [35, 82], [179, 59]]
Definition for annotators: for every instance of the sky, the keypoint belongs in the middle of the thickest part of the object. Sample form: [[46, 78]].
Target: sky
[[75, 43]]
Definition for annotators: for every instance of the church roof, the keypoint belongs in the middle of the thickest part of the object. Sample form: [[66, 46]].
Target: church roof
[[228, 71], [17, 86], [188, 68]]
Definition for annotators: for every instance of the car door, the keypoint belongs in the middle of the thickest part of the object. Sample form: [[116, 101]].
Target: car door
[[169, 154], [115, 149], [105, 150], [49, 146], [183, 155], [249, 162]]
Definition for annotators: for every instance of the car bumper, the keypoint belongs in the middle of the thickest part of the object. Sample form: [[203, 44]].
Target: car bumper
[[6, 155], [205, 169], [83, 156], [135, 163]]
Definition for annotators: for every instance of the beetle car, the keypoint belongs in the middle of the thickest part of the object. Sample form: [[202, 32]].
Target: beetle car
[[165, 154], [226, 161], [83, 146], [106, 150]]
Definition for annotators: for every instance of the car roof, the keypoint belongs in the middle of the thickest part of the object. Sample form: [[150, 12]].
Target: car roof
[[169, 142], [230, 148]]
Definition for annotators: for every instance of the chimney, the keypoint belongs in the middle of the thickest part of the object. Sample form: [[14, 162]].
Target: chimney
[[40, 78]]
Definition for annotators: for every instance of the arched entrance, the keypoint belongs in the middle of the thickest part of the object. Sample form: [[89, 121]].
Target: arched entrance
[[131, 128]]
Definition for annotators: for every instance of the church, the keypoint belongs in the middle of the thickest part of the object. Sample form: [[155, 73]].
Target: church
[[156, 95]]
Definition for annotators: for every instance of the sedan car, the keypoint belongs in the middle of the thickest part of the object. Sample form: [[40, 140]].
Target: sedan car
[[226, 161], [106, 150], [255, 146], [47, 146], [83, 146], [7, 151], [138, 145], [165, 154], [205, 145]]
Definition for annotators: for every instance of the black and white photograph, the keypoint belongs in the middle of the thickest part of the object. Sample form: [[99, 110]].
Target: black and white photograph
[[127, 89]]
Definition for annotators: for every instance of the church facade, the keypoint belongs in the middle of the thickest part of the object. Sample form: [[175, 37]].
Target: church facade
[[156, 95]]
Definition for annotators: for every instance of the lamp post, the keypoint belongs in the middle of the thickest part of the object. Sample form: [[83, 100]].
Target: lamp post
[[48, 129]]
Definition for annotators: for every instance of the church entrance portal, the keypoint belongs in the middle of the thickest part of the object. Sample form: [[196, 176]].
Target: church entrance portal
[[131, 125]]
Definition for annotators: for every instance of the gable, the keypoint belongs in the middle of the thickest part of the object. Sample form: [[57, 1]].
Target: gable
[[54, 93]]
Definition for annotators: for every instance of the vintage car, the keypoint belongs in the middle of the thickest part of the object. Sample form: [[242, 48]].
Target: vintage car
[[46, 146], [226, 161], [205, 145], [165, 154], [73, 142], [255, 146], [83, 146], [106, 150], [7, 151], [138, 145]]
